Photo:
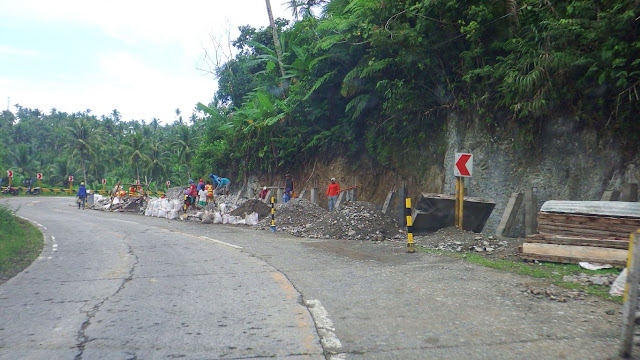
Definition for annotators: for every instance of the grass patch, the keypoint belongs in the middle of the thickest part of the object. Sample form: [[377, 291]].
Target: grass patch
[[554, 272], [20, 243]]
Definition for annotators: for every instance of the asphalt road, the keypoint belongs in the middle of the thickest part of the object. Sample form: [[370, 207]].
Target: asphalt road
[[122, 286]]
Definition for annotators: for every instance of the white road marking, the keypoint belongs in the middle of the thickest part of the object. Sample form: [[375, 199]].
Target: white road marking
[[328, 338], [126, 221], [220, 242]]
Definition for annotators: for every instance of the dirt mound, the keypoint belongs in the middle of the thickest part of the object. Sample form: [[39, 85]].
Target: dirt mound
[[295, 215], [356, 221], [251, 206]]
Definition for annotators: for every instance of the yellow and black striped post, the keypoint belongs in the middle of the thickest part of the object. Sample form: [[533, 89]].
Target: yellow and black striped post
[[273, 215], [459, 205], [411, 247]]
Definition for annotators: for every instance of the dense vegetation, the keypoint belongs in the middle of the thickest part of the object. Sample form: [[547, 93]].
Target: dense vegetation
[[20, 243], [370, 76], [381, 76]]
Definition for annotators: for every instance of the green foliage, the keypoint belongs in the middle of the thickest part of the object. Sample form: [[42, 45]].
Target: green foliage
[[20, 243], [60, 144], [370, 76]]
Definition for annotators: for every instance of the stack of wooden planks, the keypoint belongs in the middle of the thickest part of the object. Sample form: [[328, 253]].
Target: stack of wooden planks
[[575, 231]]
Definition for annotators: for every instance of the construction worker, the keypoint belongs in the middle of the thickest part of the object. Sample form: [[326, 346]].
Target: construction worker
[[224, 184], [332, 193], [209, 189], [132, 191], [82, 196]]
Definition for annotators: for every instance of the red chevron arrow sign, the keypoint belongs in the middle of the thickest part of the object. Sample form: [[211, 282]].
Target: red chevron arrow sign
[[463, 165]]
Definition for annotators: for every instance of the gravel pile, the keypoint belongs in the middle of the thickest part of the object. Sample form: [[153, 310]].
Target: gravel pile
[[295, 216], [587, 279], [456, 240], [357, 220], [353, 221]]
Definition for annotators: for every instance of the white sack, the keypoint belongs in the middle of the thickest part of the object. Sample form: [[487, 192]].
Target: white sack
[[617, 288], [217, 218], [173, 214], [251, 219]]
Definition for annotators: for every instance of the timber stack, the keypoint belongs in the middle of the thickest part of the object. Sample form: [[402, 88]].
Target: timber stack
[[576, 231]]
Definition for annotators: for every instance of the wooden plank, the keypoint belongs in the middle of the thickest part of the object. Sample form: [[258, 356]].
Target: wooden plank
[[613, 244], [584, 219], [630, 307], [558, 230], [603, 227], [573, 254]]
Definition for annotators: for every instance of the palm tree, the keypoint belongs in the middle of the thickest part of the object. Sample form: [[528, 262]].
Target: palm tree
[[185, 144], [276, 40], [137, 148], [23, 160], [157, 160], [60, 170], [83, 138]]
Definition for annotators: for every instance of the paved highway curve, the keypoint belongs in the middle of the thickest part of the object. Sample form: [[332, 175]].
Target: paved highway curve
[[111, 286], [122, 286]]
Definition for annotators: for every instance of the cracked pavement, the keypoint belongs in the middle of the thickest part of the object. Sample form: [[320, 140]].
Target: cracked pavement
[[270, 295]]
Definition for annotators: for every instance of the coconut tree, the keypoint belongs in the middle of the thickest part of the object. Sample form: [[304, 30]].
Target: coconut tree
[[83, 140], [137, 149], [158, 158], [276, 39], [185, 143]]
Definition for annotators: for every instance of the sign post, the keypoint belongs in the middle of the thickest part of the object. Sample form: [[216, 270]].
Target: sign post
[[10, 176], [463, 168], [104, 184], [71, 183], [39, 176], [168, 183]]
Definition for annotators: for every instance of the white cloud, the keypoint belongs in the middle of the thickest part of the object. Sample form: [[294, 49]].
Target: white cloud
[[123, 79], [6, 50]]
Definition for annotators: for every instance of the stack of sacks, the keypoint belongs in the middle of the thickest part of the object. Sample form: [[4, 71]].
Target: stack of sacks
[[163, 208]]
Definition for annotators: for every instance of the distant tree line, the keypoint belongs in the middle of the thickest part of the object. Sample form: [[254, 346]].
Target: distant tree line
[[92, 148]]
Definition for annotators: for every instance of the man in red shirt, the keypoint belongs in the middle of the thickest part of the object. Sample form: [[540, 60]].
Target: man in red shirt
[[332, 193]]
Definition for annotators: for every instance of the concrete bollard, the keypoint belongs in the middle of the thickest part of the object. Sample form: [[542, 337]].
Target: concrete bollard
[[530, 211], [510, 213], [388, 202], [280, 196], [629, 192]]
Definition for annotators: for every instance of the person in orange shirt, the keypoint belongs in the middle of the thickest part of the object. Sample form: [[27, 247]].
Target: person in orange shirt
[[332, 193], [209, 189]]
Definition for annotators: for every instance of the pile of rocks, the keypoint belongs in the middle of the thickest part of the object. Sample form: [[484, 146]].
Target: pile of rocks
[[353, 221], [357, 220], [555, 294], [295, 216], [250, 206], [591, 279], [456, 240]]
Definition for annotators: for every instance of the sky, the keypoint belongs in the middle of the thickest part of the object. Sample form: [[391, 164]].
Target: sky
[[137, 56]]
